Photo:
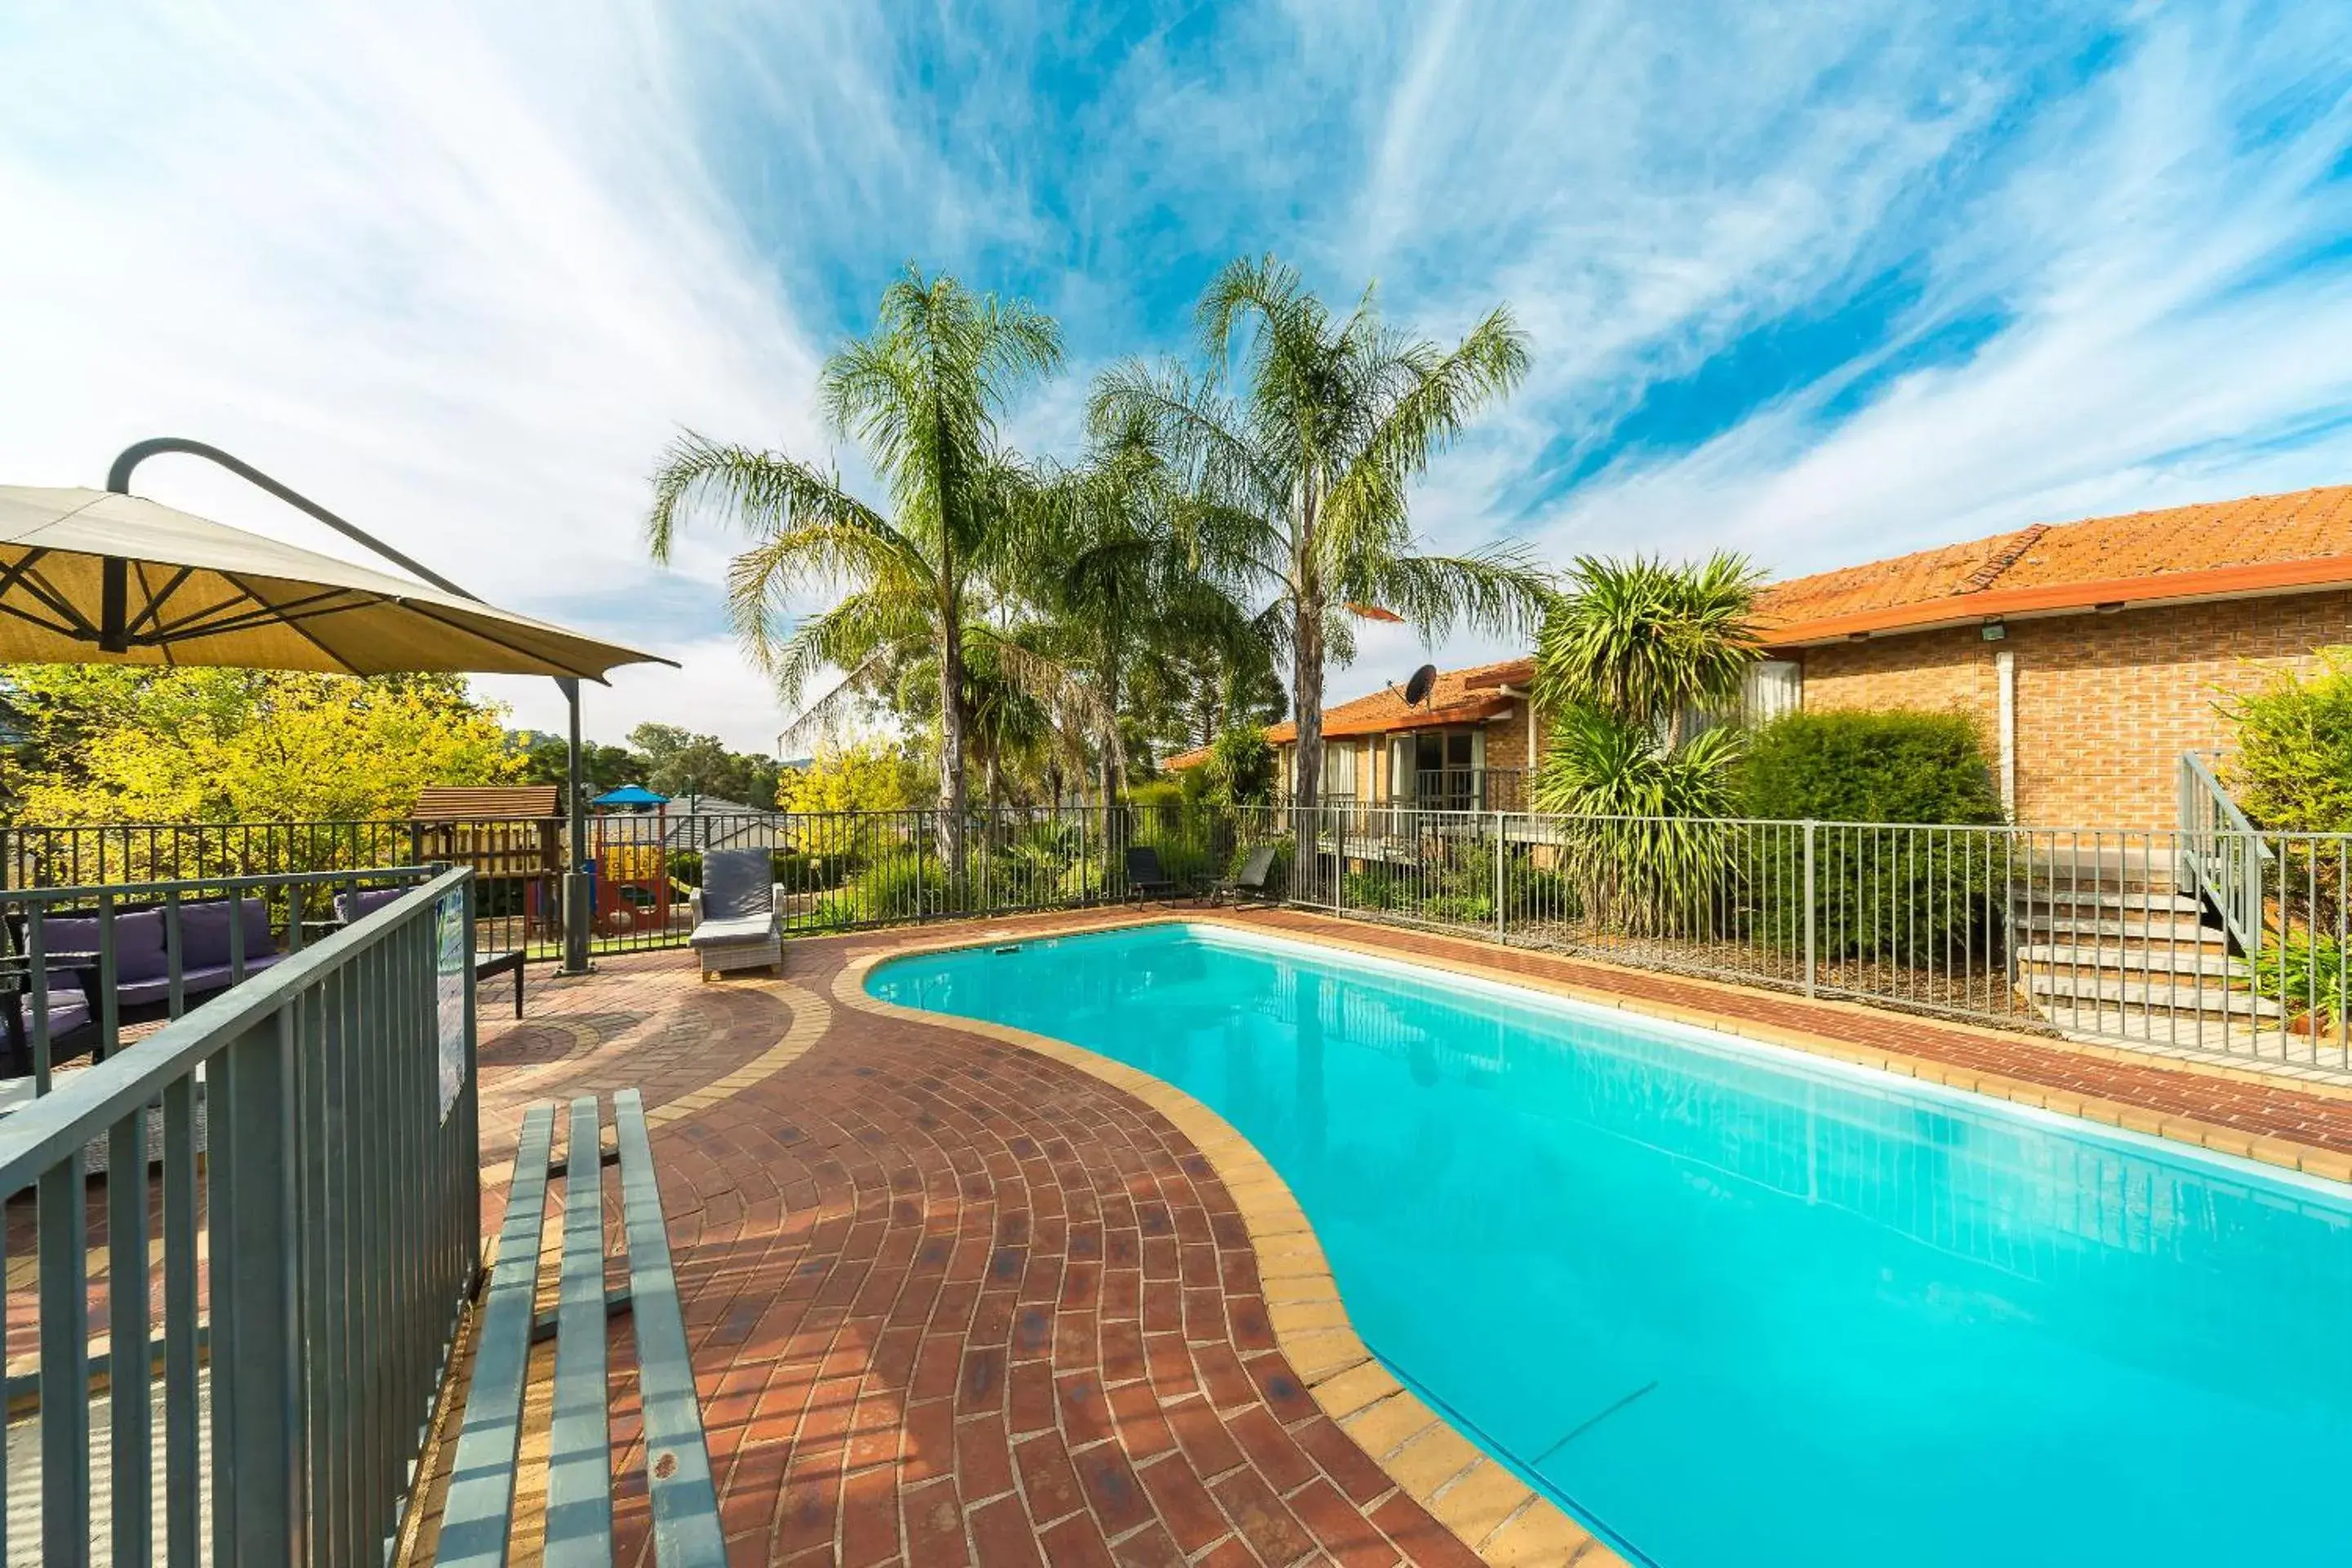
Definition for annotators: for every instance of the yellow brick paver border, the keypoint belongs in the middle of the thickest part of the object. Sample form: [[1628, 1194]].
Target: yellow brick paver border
[[812, 1016], [1482, 1501]]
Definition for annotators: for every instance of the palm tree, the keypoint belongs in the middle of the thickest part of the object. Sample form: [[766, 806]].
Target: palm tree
[[1309, 466], [921, 395], [1129, 569]]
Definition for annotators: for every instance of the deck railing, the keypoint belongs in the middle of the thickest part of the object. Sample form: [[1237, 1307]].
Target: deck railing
[[313, 1134]]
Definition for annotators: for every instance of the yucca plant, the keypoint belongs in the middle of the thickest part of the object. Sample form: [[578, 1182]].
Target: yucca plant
[[1640, 848], [1650, 642]]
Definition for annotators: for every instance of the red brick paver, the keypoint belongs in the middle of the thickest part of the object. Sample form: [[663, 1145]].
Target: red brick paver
[[949, 1301]]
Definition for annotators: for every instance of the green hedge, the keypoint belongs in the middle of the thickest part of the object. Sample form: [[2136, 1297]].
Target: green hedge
[[1906, 896], [1886, 766], [2293, 771]]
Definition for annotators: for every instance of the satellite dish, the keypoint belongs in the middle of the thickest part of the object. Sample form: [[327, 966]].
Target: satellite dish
[[1417, 690]]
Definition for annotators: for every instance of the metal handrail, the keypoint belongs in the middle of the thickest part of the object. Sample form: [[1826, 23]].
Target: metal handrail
[[89, 891], [327, 1116], [91, 1100], [2221, 855]]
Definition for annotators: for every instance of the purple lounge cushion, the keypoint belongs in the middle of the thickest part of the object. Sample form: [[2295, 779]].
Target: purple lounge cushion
[[352, 906], [138, 941], [69, 1008], [214, 977], [205, 931]]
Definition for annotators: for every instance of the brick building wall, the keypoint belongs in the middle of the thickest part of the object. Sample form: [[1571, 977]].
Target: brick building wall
[[1506, 740], [2105, 704]]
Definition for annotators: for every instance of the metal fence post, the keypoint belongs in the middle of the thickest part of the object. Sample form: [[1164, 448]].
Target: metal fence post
[[1338, 860], [1810, 825], [1498, 876], [259, 1481]]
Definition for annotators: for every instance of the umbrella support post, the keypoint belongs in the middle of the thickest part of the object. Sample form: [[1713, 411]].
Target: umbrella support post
[[578, 882]]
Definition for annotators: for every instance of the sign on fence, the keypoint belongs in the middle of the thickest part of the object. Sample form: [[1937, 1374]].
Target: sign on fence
[[451, 959]]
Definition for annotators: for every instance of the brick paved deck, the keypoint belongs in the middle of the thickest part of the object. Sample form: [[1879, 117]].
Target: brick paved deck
[[954, 1300]]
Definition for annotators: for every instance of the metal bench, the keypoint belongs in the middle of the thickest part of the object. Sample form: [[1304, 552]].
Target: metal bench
[[678, 1485]]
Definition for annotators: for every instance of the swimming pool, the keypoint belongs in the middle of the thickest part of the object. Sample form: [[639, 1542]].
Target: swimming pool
[[1735, 1305]]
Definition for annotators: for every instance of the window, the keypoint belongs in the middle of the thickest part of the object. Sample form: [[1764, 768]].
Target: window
[[1339, 768], [1775, 686]]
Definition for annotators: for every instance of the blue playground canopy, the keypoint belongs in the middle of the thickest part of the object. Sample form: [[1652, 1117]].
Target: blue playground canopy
[[630, 795]]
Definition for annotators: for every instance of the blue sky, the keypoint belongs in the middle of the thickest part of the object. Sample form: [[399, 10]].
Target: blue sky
[[1818, 283]]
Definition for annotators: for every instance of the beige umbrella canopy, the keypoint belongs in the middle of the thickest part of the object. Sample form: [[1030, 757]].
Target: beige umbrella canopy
[[96, 578]]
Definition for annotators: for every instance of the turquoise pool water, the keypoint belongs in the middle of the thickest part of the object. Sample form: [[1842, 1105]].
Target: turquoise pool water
[[1734, 1306]]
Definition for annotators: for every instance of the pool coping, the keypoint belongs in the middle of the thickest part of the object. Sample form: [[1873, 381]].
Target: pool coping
[[1484, 1502]]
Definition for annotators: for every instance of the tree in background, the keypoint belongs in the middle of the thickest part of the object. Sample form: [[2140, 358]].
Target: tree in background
[[921, 395], [1241, 766], [115, 744], [547, 759], [1312, 459], [1127, 570], [677, 762], [865, 775], [1185, 695]]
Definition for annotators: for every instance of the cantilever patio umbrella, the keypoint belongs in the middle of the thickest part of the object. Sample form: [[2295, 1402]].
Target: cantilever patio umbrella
[[94, 577], [104, 577]]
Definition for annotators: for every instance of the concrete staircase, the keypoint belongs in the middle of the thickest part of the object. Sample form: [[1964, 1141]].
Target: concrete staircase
[[2108, 947]]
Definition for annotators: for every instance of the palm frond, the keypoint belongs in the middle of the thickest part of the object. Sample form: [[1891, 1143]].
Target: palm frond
[[1438, 395], [862, 627], [1498, 590], [1194, 422], [766, 492]]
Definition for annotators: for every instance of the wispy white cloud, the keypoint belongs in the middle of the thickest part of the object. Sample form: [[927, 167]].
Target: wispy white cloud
[[462, 269], [456, 273], [2168, 333]]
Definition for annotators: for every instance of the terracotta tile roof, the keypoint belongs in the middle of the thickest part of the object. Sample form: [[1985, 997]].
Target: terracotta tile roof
[[1460, 697], [2261, 545]]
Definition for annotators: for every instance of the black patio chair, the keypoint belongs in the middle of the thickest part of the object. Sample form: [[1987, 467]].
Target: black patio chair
[[1249, 882], [1145, 879]]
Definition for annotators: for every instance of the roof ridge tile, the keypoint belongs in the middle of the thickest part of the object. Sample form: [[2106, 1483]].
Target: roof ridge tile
[[2001, 560]]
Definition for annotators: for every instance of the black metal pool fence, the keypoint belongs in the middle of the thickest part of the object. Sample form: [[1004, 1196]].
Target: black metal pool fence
[[2211, 938]]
